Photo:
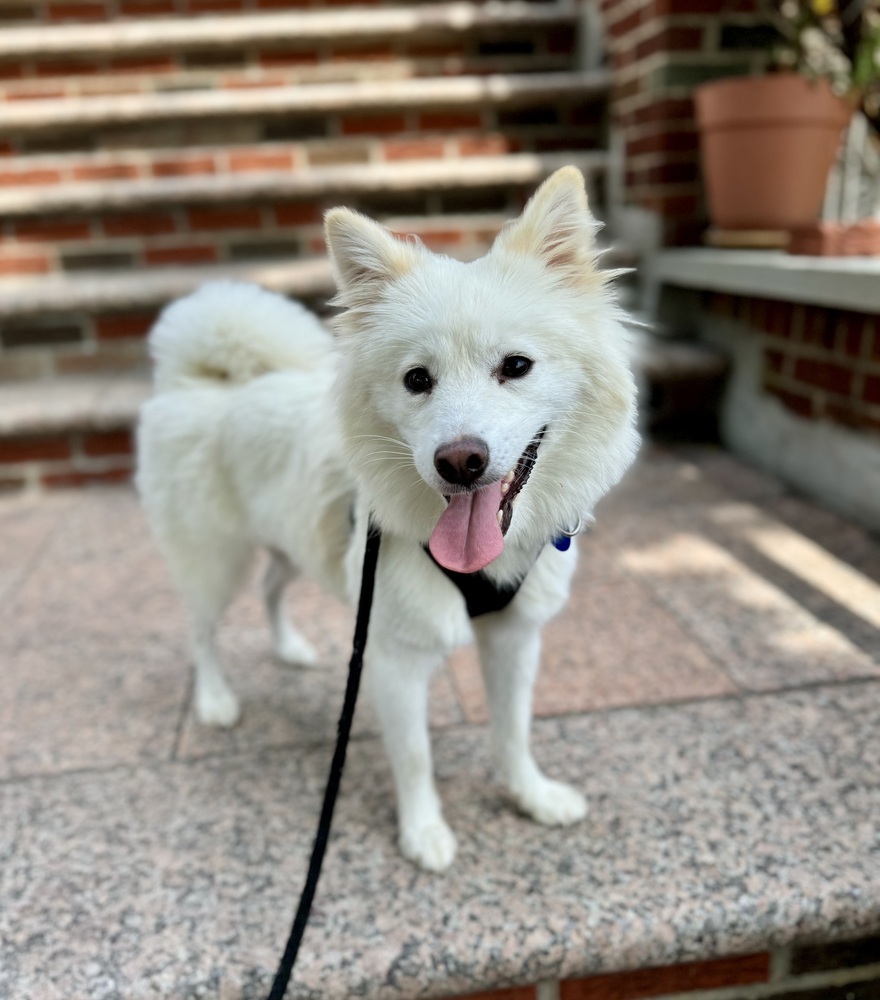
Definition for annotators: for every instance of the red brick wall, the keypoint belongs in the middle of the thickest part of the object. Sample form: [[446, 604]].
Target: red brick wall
[[70, 241], [61, 460], [819, 363], [659, 51], [838, 971]]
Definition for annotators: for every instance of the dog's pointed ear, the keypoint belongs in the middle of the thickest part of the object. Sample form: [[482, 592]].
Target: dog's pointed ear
[[557, 228], [364, 256]]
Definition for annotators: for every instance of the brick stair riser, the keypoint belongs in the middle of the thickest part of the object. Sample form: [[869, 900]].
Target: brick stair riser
[[76, 457], [327, 112], [88, 342], [227, 234], [304, 27], [42, 340], [76, 343], [278, 70], [288, 62], [438, 135], [299, 142], [142, 173], [447, 220], [462, 223], [37, 238], [452, 133], [101, 341]]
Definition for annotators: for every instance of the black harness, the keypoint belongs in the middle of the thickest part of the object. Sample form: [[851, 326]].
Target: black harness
[[481, 595]]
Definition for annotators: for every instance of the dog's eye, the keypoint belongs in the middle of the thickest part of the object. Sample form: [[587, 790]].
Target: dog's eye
[[418, 380], [514, 366]]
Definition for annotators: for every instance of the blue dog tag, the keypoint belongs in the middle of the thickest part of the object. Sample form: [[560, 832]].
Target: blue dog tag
[[563, 543]]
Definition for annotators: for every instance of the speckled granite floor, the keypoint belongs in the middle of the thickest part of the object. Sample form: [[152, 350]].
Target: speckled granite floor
[[714, 687]]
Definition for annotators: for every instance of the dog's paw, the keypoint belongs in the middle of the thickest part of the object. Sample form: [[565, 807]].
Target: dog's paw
[[431, 847], [552, 803], [218, 707], [295, 651]]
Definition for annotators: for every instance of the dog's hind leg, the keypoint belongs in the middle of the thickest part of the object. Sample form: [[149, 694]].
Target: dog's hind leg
[[208, 571], [290, 647], [215, 701], [510, 651]]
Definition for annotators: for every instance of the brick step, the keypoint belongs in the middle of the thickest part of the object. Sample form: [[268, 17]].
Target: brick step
[[80, 44], [249, 182], [95, 322], [284, 49], [98, 293], [231, 234], [349, 108], [68, 431], [92, 322], [245, 148], [456, 202], [72, 431], [212, 175], [238, 72], [682, 384], [30, 12]]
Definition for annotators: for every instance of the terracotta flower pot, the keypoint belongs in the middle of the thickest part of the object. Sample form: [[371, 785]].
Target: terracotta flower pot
[[767, 145]]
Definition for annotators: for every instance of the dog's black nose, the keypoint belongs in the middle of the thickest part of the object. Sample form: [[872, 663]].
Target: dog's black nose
[[462, 461]]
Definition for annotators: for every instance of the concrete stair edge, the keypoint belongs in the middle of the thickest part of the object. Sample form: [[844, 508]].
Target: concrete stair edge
[[201, 32], [71, 403], [64, 404], [496, 89], [409, 175], [100, 291]]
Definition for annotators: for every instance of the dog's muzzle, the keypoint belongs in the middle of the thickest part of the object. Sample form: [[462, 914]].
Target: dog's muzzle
[[470, 532]]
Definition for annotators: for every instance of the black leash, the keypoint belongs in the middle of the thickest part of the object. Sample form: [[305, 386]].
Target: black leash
[[343, 731], [481, 597]]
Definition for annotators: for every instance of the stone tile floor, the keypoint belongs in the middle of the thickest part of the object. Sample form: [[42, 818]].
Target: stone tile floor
[[714, 685]]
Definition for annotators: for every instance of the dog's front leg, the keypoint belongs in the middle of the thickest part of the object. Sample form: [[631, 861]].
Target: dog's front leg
[[510, 651], [399, 677]]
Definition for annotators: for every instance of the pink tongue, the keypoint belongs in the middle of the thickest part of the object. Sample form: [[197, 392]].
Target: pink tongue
[[468, 536]]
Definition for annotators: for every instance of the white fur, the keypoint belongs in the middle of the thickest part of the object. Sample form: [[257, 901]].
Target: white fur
[[266, 432]]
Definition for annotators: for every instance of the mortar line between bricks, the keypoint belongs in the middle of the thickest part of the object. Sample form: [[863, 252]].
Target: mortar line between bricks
[[788, 987], [547, 990], [780, 964]]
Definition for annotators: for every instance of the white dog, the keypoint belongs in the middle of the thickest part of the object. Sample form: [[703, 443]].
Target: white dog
[[475, 411]]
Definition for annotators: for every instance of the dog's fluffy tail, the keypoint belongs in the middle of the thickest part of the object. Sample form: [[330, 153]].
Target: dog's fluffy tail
[[232, 332]]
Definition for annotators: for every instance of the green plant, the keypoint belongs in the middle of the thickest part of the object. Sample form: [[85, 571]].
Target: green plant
[[836, 39]]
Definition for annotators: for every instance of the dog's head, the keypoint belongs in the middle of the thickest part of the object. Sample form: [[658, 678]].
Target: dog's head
[[485, 402]]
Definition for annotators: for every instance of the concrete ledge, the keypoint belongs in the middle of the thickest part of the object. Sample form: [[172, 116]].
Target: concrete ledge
[[97, 291], [205, 33], [439, 174], [664, 360], [68, 404], [63, 405], [841, 282], [320, 98]]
